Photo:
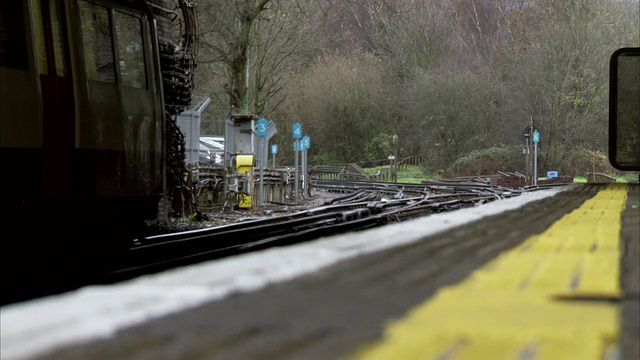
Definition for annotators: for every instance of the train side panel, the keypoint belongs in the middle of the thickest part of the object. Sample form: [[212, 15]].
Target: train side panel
[[81, 133], [20, 106]]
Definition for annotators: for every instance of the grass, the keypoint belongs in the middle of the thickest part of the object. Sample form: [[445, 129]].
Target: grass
[[621, 179], [413, 174], [628, 178], [406, 174]]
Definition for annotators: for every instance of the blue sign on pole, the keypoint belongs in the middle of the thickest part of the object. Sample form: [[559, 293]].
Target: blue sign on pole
[[306, 143], [536, 136], [263, 127], [274, 149], [297, 131]]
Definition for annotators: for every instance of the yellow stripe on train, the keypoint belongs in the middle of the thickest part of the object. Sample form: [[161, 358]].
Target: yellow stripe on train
[[532, 302]]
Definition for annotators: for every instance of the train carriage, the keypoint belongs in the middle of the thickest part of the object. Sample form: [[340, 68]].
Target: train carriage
[[82, 124]]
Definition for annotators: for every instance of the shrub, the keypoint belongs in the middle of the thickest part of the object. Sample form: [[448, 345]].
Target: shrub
[[487, 161]]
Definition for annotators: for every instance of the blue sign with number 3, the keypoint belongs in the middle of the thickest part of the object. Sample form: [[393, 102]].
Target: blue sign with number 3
[[263, 127]]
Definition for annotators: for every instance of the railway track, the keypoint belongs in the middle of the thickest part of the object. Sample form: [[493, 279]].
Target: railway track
[[361, 205], [357, 205]]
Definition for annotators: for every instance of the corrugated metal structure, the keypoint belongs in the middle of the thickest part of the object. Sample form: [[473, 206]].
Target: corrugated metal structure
[[189, 123]]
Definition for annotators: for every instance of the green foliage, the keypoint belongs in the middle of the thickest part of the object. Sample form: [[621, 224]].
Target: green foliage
[[378, 147]]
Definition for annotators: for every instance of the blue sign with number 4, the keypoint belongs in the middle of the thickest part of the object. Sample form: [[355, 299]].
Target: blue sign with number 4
[[297, 131]]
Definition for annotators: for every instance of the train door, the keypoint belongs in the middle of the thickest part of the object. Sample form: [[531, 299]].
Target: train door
[[142, 110], [120, 114], [58, 120]]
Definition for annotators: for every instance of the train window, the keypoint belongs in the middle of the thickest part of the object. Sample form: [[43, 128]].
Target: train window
[[13, 39], [58, 45], [624, 109], [43, 35], [98, 43], [38, 28], [130, 50]]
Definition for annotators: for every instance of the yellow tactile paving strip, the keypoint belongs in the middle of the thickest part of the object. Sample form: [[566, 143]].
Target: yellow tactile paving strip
[[535, 301]]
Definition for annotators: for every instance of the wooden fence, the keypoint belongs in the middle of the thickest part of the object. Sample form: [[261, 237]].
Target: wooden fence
[[278, 185]]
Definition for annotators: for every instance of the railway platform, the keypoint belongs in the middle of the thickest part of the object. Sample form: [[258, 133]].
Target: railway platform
[[550, 274]]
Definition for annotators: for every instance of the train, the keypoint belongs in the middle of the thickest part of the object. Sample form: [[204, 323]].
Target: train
[[89, 148]]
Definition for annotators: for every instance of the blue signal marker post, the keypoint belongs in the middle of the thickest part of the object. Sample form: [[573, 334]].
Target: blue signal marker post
[[297, 135], [536, 140], [305, 144], [262, 130], [274, 151]]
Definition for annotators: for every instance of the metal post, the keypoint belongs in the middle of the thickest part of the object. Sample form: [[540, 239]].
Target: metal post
[[527, 174], [535, 164], [262, 156], [307, 190], [296, 167], [395, 159], [304, 172]]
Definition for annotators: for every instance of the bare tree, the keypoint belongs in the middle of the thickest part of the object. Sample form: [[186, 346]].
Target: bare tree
[[248, 43], [558, 71], [282, 43]]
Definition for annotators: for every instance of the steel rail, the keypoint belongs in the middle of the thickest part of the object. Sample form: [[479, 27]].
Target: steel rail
[[364, 205]]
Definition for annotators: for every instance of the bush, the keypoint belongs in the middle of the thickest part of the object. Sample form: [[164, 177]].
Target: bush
[[579, 162], [487, 161]]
